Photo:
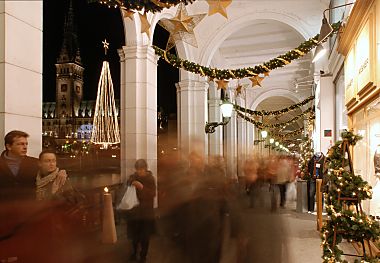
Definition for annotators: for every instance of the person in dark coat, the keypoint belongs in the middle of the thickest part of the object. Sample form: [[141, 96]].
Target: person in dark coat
[[17, 170], [20, 213], [140, 221], [315, 168]]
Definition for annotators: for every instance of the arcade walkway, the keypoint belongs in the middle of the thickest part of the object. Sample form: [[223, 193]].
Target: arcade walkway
[[300, 239], [302, 242]]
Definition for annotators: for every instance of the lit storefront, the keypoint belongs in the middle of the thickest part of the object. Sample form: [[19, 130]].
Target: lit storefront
[[361, 74]]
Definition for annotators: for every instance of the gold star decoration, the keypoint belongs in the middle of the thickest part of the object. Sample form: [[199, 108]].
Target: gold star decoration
[[218, 6], [256, 80], [105, 46], [145, 25], [222, 84], [238, 89], [181, 27], [126, 13], [266, 73]]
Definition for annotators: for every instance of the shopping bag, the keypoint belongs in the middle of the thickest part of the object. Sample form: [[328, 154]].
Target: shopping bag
[[129, 199]]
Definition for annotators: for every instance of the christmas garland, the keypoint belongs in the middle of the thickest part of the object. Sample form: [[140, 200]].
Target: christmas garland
[[281, 136], [261, 125], [345, 223], [274, 112], [152, 6], [225, 74]]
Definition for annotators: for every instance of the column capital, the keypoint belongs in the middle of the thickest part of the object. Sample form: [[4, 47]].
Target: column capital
[[121, 53], [192, 85], [138, 52]]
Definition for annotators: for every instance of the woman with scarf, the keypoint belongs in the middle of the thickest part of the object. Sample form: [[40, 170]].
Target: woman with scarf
[[59, 210], [48, 184]]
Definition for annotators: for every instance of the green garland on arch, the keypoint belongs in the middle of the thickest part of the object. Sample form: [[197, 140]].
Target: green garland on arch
[[152, 6], [261, 125], [214, 73], [274, 112], [288, 135]]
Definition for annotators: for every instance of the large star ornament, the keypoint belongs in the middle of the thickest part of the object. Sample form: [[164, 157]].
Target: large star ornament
[[181, 27], [145, 25], [218, 6]]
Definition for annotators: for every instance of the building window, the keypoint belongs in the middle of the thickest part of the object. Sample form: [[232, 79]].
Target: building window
[[63, 87]]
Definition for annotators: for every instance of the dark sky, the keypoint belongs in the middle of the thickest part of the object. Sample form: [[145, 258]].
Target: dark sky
[[94, 23]]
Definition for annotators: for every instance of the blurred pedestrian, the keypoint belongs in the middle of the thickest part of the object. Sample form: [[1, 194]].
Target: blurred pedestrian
[[140, 221]]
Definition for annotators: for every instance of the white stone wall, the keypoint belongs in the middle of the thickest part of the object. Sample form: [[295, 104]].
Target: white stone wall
[[21, 70]]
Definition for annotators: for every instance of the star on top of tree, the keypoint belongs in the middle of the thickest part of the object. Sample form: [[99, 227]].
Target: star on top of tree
[[181, 27], [218, 6], [105, 46]]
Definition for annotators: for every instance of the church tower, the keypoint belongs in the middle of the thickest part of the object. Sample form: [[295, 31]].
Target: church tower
[[69, 79]]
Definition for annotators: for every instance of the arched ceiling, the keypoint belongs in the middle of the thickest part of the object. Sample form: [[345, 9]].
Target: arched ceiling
[[260, 42]]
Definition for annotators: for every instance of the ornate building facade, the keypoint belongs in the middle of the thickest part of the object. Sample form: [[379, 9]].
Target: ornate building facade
[[69, 117]]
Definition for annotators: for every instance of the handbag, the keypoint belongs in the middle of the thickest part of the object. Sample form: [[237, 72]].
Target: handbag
[[129, 199]]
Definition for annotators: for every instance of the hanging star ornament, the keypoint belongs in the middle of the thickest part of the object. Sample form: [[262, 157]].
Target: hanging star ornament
[[256, 80], [238, 89], [222, 84], [181, 27], [126, 13], [218, 6], [145, 25]]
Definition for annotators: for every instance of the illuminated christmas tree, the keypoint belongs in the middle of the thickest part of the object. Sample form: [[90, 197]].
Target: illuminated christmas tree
[[105, 130]]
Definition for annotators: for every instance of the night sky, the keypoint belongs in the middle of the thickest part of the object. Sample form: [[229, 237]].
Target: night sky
[[94, 23]]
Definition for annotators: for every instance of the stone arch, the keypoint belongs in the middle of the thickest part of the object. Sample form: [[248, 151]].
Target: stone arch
[[234, 25], [183, 50], [274, 92]]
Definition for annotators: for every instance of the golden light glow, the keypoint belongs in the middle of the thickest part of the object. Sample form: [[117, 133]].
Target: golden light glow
[[105, 129]]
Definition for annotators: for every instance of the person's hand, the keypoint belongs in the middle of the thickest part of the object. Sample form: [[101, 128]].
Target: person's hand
[[59, 181], [61, 177], [138, 185]]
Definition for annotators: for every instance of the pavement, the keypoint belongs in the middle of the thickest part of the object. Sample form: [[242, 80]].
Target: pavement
[[301, 240], [302, 243]]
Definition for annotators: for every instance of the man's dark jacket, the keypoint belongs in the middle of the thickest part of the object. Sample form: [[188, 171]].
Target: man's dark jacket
[[23, 184]]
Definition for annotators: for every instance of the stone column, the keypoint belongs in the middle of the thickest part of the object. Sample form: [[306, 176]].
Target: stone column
[[123, 148], [21, 70], [215, 140], [242, 141], [138, 108], [327, 108], [230, 153], [193, 115]]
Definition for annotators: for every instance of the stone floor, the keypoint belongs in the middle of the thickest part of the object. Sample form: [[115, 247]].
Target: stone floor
[[30, 245], [302, 242]]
